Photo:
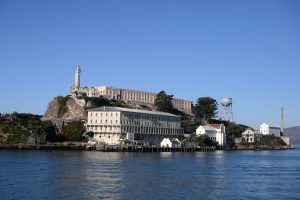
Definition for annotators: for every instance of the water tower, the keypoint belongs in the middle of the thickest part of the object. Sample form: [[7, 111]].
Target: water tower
[[226, 113]]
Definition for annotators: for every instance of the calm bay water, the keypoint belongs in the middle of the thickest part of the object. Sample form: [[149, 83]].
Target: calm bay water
[[99, 175]]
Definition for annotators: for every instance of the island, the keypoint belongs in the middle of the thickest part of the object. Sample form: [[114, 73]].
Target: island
[[113, 119]]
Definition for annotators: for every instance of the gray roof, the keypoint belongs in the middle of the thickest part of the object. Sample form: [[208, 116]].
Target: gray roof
[[175, 141], [121, 109], [272, 125]]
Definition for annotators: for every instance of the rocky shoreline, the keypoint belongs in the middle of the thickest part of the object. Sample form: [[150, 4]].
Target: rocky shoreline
[[261, 147], [72, 147]]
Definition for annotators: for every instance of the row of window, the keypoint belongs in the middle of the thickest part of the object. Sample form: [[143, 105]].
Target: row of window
[[150, 117], [136, 123], [258, 139], [136, 130], [132, 116], [143, 98], [104, 121], [134, 96], [102, 128], [101, 114], [181, 104]]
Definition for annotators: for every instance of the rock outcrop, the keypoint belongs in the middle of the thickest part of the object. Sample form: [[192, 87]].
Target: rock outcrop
[[66, 108]]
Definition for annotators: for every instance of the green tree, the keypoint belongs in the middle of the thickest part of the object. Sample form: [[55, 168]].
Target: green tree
[[234, 130], [189, 126], [73, 131], [97, 101], [16, 138], [163, 102], [63, 108], [118, 103], [205, 108], [204, 140]]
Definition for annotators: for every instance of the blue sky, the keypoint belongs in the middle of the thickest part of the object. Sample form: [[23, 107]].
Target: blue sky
[[246, 49]]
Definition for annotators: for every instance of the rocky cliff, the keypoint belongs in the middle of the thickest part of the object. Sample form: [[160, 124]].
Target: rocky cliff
[[67, 108]]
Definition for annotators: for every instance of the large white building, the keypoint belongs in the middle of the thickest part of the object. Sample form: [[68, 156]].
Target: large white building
[[216, 132], [268, 129], [111, 125], [133, 96]]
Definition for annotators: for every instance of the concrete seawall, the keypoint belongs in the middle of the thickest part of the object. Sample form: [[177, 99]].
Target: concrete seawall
[[83, 147]]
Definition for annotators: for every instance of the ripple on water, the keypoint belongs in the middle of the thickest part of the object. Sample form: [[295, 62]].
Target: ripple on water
[[201, 175]]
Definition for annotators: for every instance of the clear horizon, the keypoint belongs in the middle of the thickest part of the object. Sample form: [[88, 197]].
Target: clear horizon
[[248, 50]]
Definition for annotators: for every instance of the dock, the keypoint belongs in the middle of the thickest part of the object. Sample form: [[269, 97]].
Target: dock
[[155, 149]]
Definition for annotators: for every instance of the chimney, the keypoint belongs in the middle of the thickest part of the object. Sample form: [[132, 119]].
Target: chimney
[[282, 122]]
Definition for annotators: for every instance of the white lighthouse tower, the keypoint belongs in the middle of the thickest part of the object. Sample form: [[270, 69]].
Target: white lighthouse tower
[[77, 78], [75, 88]]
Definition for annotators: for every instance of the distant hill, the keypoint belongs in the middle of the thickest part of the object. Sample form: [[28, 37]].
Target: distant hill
[[294, 134]]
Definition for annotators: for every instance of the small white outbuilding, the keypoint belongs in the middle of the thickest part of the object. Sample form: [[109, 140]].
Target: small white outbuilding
[[251, 136], [170, 142]]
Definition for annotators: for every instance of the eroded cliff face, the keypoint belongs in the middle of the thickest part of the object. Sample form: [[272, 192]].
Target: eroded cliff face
[[70, 109], [52, 110], [75, 110]]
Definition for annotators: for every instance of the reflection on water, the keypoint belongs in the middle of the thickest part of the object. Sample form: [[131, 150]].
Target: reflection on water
[[91, 176], [199, 175]]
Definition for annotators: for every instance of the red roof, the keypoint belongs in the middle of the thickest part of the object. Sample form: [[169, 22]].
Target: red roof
[[217, 126]]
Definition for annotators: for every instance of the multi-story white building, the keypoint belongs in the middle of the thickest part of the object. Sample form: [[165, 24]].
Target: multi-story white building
[[251, 136], [267, 129], [133, 96], [216, 132], [114, 124]]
